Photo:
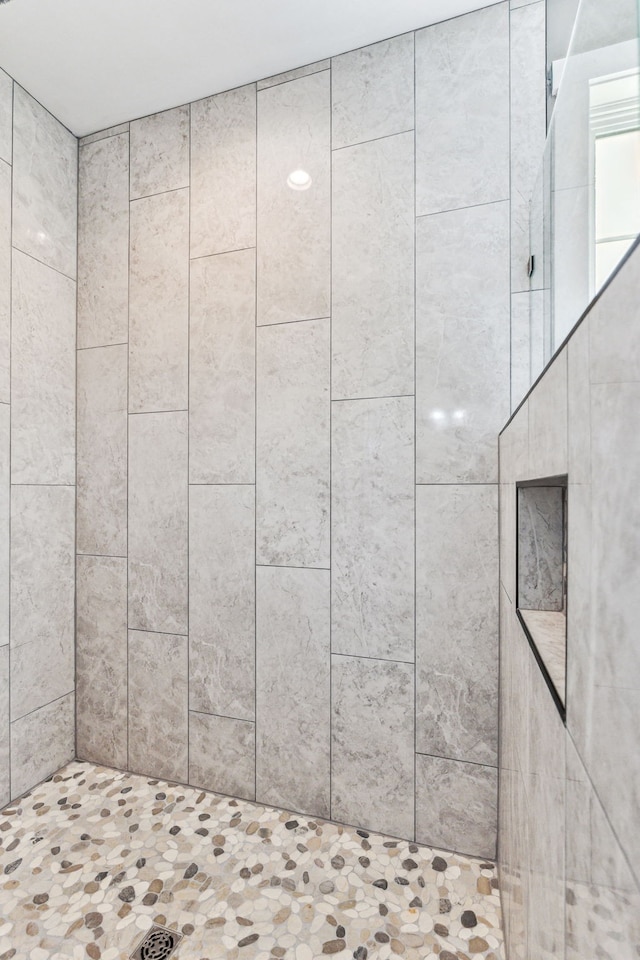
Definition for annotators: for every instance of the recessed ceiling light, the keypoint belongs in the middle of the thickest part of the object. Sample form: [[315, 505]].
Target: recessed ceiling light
[[299, 180]]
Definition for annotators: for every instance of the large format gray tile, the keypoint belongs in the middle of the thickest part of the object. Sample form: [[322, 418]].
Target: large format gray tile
[[42, 566], [614, 351], [158, 522], [102, 451], [5, 740], [5, 280], [294, 74], [462, 337], [41, 743], [222, 755], [222, 369], [294, 245], [373, 275], [222, 600], [43, 360], [293, 444], [158, 705], [372, 764], [373, 528], [41, 671], [5, 514], [101, 652], [540, 548], [103, 242], [103, 134], [293, 693], [548, 439], [462, 111], [159, 303], [457, 621], [6, 116], [45, 173], [456, 805], [160, 152], [372, 91], [223, 172]]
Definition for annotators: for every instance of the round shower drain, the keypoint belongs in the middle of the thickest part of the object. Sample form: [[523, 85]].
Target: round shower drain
[[158, 944]]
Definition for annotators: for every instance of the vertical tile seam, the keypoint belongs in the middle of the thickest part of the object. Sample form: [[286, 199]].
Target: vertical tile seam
[[187, 478], [75, 502], [415, 444], [330, 731], [9, 487], [255, 462], [128, 735]]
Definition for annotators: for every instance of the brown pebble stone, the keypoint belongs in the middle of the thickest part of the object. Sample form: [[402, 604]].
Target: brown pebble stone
[[188, 929], [397, 946], [215, 922], [124, 911], [93, 919], [282, 915], [93, 950], [161, 920], [333, 946], [244, 922], [478, 945], [40, 898], [251, 829], [441, 930], [156, 886], [484, 886], [248, 940], [149, 899], [278, 952], [446, 955], [381, 937], [32, 929], [91, 887]]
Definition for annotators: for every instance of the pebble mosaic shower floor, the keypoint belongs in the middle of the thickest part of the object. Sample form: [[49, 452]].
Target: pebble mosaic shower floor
[[91, 858]]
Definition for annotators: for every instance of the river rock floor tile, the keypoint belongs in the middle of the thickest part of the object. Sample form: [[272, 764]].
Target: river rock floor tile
[[91, 858]]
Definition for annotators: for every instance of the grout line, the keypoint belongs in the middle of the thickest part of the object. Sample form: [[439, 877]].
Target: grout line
[[222, 716], [101, 556], [415, 451], [392, 396], [36, 259], [361, 656], [474, 763], [218, 253], [330, 436], [42, 706], [160, 193], [162, 633], [255, 468], [128, 455], [232, 483], [466, 206], [75, 505], [103, 346], [188, 463], [288, 566], [302, 76], [286, 323], [10, 525], [146, 413]]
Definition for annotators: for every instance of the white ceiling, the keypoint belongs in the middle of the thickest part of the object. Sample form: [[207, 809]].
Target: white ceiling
[[97, 63]]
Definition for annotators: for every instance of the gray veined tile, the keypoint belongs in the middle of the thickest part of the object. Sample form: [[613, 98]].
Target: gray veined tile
[[222, 369], [45, 171], [372, 763], [222, 755], [158, 705], [222, 600], [103, 134], [294, 226], [372, 91], [5, 741], [101, 651], [457, 805], [103, 242], [372, 521], [43, 360], [293, 444], [5, 514], [41, 743], [41, 671], [5, 281], [457, 621], [223, 172], [158, 522], [160, 152], [462, 111], [6, 116], [373, 269], [102, 451], [462, 338], [293, 693], [159, 303], [548, 440], [294, 74]]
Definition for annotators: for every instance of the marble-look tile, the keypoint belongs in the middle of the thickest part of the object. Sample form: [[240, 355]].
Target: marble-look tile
[[615, 356], [462, 111], [294, 226], [514, 447], [5, 758], [373, 497], [372, 91], [548, 422], [42, 566], [541, 548], [223, 172], [528, 126], [158, 522], [293, 693], [101, 660], [41, 671], [462, 339], [41, 743], [520, 346], [6, 116], [570, 257], [549, 629], [222, 600], [456, 805], [160, 152], [293, 444], [158, 705], [5, 514], [102, 451], [294, 74], [103, 242], [45, 172], [373, 269], [43, 361], [159, 303], [222, 755], [457, 621], [372, 765], [222, 369], [104, 134], [5, 280], [579, 404]]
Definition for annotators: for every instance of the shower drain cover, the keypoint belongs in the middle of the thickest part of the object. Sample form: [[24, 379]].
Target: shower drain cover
[[158, 944]]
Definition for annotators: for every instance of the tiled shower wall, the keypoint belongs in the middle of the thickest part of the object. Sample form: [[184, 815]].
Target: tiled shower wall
[[38, 169], [288, 408]]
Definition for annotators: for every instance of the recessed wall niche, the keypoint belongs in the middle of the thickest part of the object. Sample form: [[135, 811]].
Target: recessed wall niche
[[542, 577]]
